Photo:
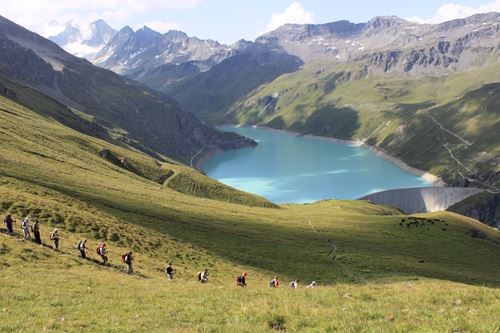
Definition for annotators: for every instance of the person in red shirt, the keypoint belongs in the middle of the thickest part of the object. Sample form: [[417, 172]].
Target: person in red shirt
[[241, 280]]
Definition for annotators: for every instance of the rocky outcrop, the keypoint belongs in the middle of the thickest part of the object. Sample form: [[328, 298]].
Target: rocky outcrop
[[484, 207], [384, 60]]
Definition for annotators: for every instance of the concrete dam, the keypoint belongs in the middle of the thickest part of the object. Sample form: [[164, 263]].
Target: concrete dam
[[422, 199]]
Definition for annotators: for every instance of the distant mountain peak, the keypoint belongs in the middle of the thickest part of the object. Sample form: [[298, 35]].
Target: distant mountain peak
[[147, 31], [176, 34], [84, 40], [385, 22], [100, 22], [126, 30]]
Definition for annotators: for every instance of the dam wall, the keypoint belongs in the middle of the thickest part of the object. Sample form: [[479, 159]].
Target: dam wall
[[422, 199]]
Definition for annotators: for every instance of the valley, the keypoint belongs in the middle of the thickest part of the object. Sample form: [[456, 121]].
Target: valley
[[378, 260], [118, 147]]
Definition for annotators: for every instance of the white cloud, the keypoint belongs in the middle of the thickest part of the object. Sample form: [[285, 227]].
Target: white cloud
[[35, 14], [453, 11], [159, 26], [295, 13]]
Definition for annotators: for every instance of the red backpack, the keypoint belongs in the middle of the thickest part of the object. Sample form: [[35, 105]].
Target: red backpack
[[98, 250], [124, 256]]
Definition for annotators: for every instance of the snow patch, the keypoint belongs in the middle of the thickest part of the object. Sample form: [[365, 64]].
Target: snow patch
[[81, 50]]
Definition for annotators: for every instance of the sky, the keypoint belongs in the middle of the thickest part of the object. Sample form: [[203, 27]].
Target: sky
[[228, 20]]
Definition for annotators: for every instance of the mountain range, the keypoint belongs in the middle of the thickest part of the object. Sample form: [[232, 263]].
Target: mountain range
[[99, 102], [424, 93], [383, 43]]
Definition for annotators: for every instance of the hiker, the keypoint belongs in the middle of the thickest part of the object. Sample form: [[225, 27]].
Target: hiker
[[54, 237], [36, 232], [274, 283], [169, 270], [311, 285], [82, 247], [103, 252], [241, 280], [9, 223], [203, 276], [26, 228], [127, 259], [294, 284]]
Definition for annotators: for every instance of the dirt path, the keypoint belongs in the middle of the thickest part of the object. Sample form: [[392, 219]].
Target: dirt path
[[446, 146], [191, 161], [333, 249], [448, 131]]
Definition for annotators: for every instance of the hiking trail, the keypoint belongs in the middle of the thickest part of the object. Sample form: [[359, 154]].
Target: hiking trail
[[333, 250]]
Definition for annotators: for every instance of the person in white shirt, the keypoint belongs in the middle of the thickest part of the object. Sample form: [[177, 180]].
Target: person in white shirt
[[203, 276], [26, 228], [311, 285]]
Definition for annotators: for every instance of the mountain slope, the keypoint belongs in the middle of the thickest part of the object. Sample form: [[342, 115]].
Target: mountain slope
[[208, 93], [427, 121], [128, 111], [385, 47]]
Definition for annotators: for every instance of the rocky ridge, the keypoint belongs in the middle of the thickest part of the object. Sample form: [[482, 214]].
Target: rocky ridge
[[392, 44], [145, 54]]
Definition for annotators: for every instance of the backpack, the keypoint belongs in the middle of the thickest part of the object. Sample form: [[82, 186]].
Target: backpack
[[124, 257], [238, 279], [51, 235], [98, 250], [199, 276], [271, 284], [79, 245]]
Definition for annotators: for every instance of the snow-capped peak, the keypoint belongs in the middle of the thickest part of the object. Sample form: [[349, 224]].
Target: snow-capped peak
[[84, 40]]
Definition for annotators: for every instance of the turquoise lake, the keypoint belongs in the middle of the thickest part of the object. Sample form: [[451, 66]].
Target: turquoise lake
[[286, 168]]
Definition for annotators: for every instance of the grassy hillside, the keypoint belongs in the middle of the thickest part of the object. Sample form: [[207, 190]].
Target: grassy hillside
[[45, 291], [193, 183], [380, 274], [402, 115]]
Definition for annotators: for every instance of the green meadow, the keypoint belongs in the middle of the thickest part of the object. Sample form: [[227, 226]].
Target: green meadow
[[375, 272]]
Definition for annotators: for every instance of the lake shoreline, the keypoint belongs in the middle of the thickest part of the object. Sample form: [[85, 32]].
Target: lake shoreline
[[204, 156], [435, 181]]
